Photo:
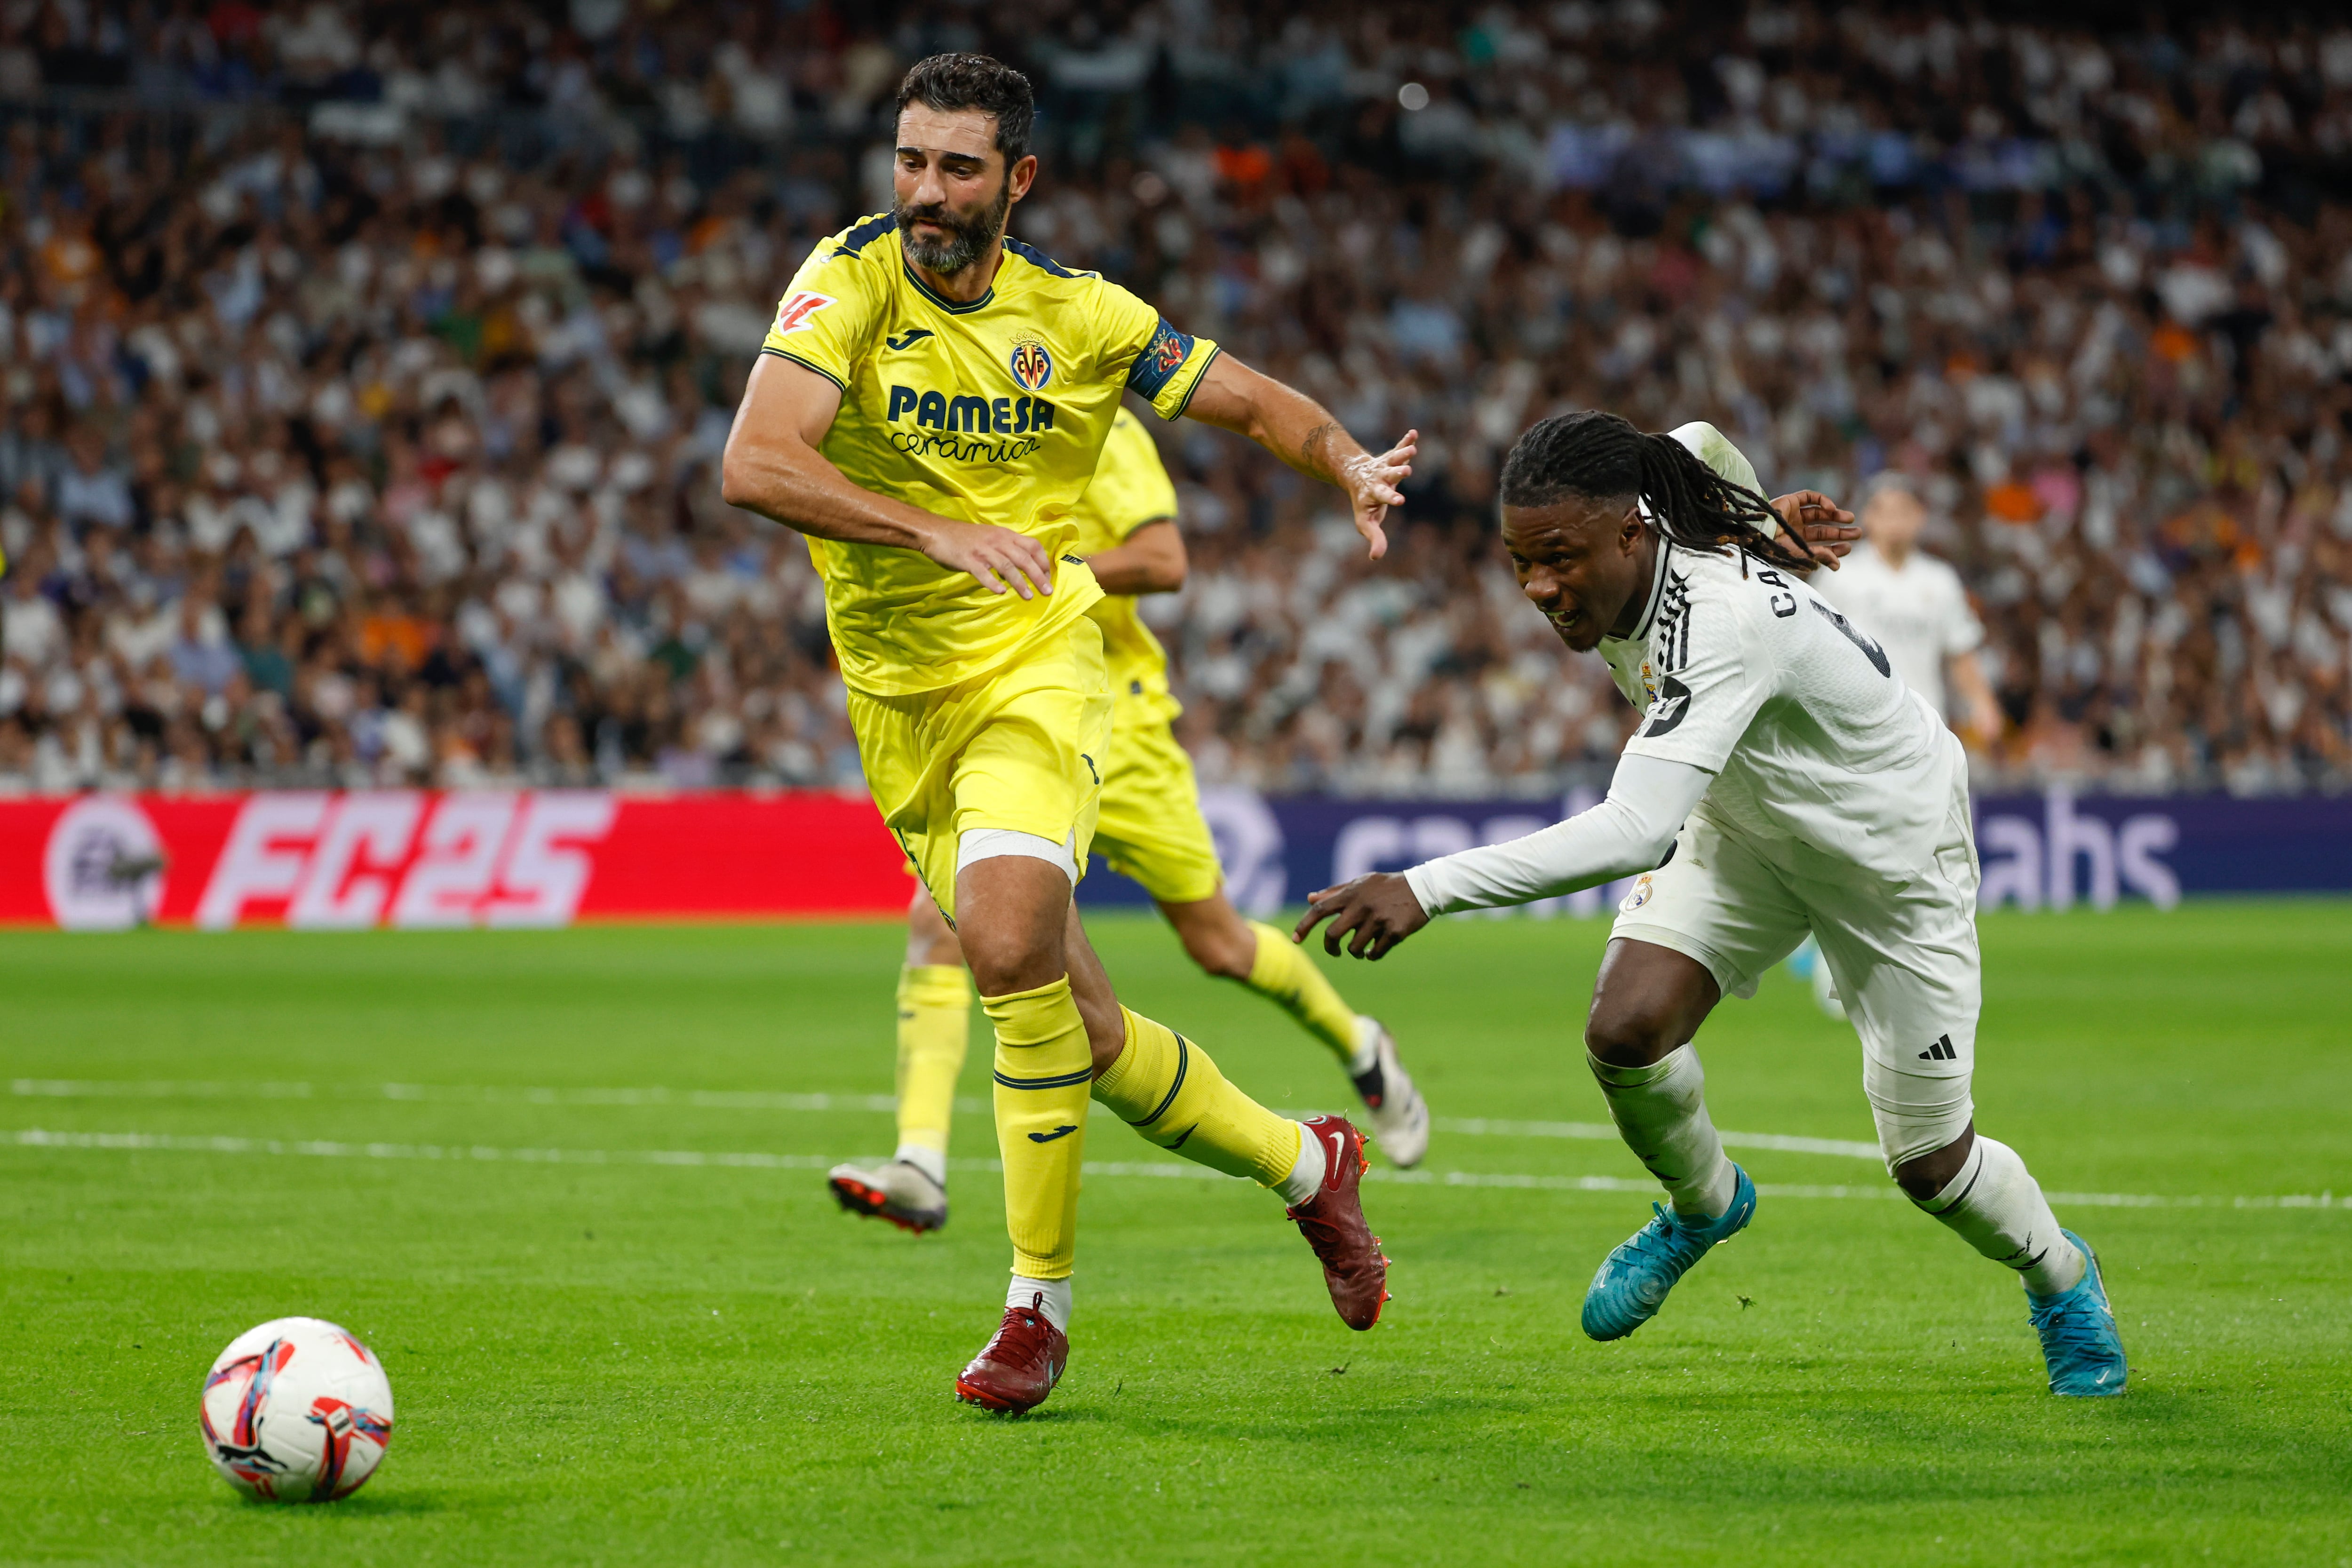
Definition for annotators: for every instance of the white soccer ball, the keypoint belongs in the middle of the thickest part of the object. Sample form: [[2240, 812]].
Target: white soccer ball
[[297, 1411]]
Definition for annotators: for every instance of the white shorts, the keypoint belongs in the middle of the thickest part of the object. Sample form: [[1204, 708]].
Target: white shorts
[[1904, 956]]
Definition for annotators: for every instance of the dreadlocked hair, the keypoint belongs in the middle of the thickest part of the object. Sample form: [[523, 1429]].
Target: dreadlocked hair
[[1600, 457]]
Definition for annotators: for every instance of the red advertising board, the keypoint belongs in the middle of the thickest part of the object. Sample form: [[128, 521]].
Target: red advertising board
[[418, 859]]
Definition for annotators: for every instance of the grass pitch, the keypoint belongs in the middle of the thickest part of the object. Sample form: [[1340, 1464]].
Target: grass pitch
[[682, 1362]]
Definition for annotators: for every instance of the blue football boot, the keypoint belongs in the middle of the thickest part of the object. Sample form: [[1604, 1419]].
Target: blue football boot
[[1633, 1281], [2078, 1333]]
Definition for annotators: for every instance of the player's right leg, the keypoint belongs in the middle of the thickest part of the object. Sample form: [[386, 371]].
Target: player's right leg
[[1647, 1003], [1704, 925], [909, 1189]]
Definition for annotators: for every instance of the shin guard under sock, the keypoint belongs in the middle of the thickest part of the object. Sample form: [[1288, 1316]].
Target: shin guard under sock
[[1167, 1088], [1043, 1066], [1996, 1206], [1661, 1112]]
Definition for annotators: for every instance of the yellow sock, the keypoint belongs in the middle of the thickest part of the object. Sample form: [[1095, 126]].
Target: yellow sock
[[934, 1023], [1043, 1068], [1288, 977], [1167, 1088]]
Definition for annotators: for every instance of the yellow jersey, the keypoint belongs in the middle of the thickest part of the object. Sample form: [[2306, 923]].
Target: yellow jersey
[[1130, 488], [993, 410]]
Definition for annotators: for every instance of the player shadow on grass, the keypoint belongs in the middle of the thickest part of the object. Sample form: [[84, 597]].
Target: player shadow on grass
[[398, 1502]]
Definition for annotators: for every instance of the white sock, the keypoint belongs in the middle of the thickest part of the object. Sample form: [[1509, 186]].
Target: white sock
[[1051, 1296], [1661, 1112], [1367, 1047], [1997, 1207], [932, 1161], [1300, 1187]]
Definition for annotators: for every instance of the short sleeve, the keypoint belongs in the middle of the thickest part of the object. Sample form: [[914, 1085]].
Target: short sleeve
[[1961, 631], [1710, 682], [1131, 486], [1164, 366], [827, 317], [1713, 447]]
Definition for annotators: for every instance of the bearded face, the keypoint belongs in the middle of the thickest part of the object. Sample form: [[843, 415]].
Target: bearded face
[[962, 236]]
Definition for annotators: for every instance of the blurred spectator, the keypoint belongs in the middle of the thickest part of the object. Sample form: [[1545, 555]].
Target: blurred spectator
[[364, 370]]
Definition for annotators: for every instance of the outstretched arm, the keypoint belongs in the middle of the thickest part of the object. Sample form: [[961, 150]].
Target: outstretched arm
[[1631, 831], [772, 467], [1302, 433]]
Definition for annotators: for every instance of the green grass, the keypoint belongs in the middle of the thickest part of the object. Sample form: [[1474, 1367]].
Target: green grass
[[708, 1364]]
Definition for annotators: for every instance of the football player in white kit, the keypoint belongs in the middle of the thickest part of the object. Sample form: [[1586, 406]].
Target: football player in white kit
[[1783, 780], [1913, 606]]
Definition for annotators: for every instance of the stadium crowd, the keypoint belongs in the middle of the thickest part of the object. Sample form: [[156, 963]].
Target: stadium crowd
[[365, 368]]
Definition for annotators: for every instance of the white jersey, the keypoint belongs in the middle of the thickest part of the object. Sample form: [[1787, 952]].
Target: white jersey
[[1919, 614], [1811, 735]]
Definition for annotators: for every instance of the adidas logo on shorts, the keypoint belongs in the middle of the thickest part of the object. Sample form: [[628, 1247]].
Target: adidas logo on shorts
[[1941, 1051]]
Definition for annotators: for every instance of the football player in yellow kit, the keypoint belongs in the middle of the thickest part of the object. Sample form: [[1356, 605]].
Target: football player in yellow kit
[[929, 410], [1148, 826]]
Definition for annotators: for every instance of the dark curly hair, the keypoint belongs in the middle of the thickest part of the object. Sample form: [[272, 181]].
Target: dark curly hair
[[1600, 457], [976, 81]]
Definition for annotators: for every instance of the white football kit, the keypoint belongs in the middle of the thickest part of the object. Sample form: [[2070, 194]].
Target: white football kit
[[1919, 614], [1823, 795]]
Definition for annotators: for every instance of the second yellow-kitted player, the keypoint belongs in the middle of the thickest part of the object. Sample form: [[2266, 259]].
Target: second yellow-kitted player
[[1148, 826]]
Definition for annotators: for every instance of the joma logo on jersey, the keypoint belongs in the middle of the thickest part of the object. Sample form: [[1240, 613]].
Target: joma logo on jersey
[[974, 416]]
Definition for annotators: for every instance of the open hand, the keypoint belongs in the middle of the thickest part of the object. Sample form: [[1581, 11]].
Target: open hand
[[1371, 480], [1818, 525], [1380, 909], [1000, 558]]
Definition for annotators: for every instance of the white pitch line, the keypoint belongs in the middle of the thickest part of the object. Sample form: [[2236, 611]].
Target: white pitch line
[[1602, 1131], [448, 1094], [42, 1138], [752, 1099]]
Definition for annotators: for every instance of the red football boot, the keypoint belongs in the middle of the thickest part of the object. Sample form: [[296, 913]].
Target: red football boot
[[1332, 1221], [1018, 1367]]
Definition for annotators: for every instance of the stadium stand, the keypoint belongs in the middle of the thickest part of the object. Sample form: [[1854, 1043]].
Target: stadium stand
[[365, 367]]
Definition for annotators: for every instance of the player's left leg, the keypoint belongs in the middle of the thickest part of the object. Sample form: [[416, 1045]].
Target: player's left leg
[[1265, 960], [1169, 1089], [1908, 968], [1150, 829]]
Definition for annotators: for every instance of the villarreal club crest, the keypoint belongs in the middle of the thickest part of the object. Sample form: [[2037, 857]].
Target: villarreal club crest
[[1032, 365]]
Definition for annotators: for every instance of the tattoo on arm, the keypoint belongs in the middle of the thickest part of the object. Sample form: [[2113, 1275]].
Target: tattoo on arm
[[1311, 450]]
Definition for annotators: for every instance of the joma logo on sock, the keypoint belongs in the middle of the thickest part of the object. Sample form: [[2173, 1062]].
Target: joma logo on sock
[[1049, 1137]]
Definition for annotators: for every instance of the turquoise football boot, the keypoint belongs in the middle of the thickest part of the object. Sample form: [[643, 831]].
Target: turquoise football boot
[[2078, 1333], [1633, 1281]]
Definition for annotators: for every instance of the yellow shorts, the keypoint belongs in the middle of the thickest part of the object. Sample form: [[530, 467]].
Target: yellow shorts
[[1018, 748], [1150, 826]]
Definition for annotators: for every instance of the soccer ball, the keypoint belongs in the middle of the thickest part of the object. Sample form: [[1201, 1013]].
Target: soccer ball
[[297, 1411]]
